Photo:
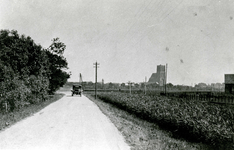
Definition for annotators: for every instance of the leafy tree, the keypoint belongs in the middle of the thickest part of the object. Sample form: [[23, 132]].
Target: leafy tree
[[23, 69], [57, 65], [57, 47], [136, 85], [22, 54], [27, 71], [122, 85], [111, 85], [169, 85]]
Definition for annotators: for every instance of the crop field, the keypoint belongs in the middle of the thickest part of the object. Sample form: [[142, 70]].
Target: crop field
[[193, 120]]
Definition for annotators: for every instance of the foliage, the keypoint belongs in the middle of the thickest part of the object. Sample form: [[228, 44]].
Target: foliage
[[57, 63], [193, 120], [27, 71], [57, 47], [7, 119], [15, 93]]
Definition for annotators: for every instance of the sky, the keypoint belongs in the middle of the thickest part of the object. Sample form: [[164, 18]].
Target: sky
[[129, 38]]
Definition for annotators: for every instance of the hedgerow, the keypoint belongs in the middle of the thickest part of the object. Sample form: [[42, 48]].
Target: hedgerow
[[28, 72]]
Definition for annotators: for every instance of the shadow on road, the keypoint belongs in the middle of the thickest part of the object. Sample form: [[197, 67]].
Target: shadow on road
[[73, 96]]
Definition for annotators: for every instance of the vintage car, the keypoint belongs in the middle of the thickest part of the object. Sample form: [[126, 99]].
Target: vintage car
[[76, 89]]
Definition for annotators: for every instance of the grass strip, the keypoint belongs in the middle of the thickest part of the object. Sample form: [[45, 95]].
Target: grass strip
[[8, 119]]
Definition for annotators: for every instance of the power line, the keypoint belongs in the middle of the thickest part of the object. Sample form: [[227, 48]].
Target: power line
[[147, 32], [141, 14], [159, 5], [171, 11], [137, 20]]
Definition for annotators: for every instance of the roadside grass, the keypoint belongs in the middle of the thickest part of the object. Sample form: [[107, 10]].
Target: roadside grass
[[8, 119], [143, 135]]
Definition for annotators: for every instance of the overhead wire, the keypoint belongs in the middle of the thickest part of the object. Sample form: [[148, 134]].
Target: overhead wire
[[137, 20], [147, 32], [156, 6], [157, 9], [171, 11], [138, 16], [104, 38], [141, 15]]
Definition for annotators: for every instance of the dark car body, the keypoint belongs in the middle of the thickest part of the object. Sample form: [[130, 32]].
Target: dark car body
[[76, 89]]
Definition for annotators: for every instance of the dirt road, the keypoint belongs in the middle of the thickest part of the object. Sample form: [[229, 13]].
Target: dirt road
[[70, 123]]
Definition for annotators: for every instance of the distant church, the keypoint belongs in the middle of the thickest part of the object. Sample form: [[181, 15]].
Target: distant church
[[159, 76]]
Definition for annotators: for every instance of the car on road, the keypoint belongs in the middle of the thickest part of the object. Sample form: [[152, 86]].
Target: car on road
[[76, 89]]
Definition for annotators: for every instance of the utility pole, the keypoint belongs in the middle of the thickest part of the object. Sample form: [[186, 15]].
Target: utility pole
[[81, 80], [102, 83], [145, 84], [96, 66], [166, 80], [130, 84]]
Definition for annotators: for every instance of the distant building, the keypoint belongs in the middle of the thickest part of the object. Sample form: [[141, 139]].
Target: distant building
[[229, 83], [159, 76]]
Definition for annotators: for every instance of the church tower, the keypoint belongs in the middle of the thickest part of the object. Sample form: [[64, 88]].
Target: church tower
[[159, 76]]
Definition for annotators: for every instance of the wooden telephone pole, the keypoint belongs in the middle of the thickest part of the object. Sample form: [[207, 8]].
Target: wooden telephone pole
[[96, 66], [165, 80], [145, 84]]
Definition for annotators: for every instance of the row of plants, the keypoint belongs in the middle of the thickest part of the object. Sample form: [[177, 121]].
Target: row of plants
[[190, 119], [28, 72]]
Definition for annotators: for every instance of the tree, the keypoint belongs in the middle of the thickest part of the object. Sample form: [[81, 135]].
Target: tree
[[23, 69], [57, 64], [111, 85], [57, 47], [136, 85], [27, 71], [169, 85]]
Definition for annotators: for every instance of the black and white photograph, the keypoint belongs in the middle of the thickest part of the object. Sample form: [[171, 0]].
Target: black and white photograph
[[116, 74]]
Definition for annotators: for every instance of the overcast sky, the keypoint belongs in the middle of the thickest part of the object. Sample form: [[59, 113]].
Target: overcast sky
[[129, 38]]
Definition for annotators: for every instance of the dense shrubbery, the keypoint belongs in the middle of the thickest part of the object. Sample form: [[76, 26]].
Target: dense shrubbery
[[27, 71], [193, 120]]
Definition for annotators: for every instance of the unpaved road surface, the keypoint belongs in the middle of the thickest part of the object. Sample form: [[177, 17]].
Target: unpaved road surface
[[70, 123]]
